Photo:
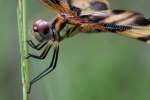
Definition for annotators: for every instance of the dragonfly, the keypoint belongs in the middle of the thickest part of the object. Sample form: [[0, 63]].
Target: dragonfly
[[83, 16]]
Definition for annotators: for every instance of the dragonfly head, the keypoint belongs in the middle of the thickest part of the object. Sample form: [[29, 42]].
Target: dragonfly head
[[41, 30]]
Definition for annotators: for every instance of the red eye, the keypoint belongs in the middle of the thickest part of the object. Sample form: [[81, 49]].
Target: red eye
[[41, 26]]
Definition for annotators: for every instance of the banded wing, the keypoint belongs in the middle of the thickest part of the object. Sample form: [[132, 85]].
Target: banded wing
[[78, 7], [138, 25], [86, 7], [60, 6], [127, 23]]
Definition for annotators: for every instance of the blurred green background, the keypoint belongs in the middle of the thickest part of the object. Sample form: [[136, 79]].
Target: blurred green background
[[90, 67]]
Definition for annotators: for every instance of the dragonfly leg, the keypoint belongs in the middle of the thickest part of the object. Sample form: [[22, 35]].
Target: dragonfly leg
[[42, 55], [51, 67], [38, 46]]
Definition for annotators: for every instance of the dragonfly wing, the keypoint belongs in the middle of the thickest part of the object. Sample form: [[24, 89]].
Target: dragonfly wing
[[78, 7], [86, 7], [59, 5], [128, 23]]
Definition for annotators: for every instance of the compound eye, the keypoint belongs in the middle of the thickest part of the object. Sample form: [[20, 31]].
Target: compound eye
[[41, 26]]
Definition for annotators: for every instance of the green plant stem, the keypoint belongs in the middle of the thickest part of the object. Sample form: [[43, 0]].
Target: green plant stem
[[21, 16]]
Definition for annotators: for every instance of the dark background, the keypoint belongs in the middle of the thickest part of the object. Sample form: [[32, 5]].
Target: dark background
[[90, 67]]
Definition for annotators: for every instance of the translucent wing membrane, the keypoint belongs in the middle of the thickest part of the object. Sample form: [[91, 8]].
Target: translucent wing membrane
[[138, 32], [89, 6], [139, 25], [127, 23], [77, 7], [59, 5]]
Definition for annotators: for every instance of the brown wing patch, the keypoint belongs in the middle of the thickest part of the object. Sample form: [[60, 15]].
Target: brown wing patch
[[99, 5], [139, 26], [59, 5], [123, 17], [138, 32], [118, 16], [89, 6], [142, 21]]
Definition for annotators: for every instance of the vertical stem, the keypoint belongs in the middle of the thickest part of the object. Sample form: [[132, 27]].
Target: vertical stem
[[21, 16]]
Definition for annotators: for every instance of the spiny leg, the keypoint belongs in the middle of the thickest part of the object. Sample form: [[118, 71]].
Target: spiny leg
[[42, 55], [51, 67], [38, 46]]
